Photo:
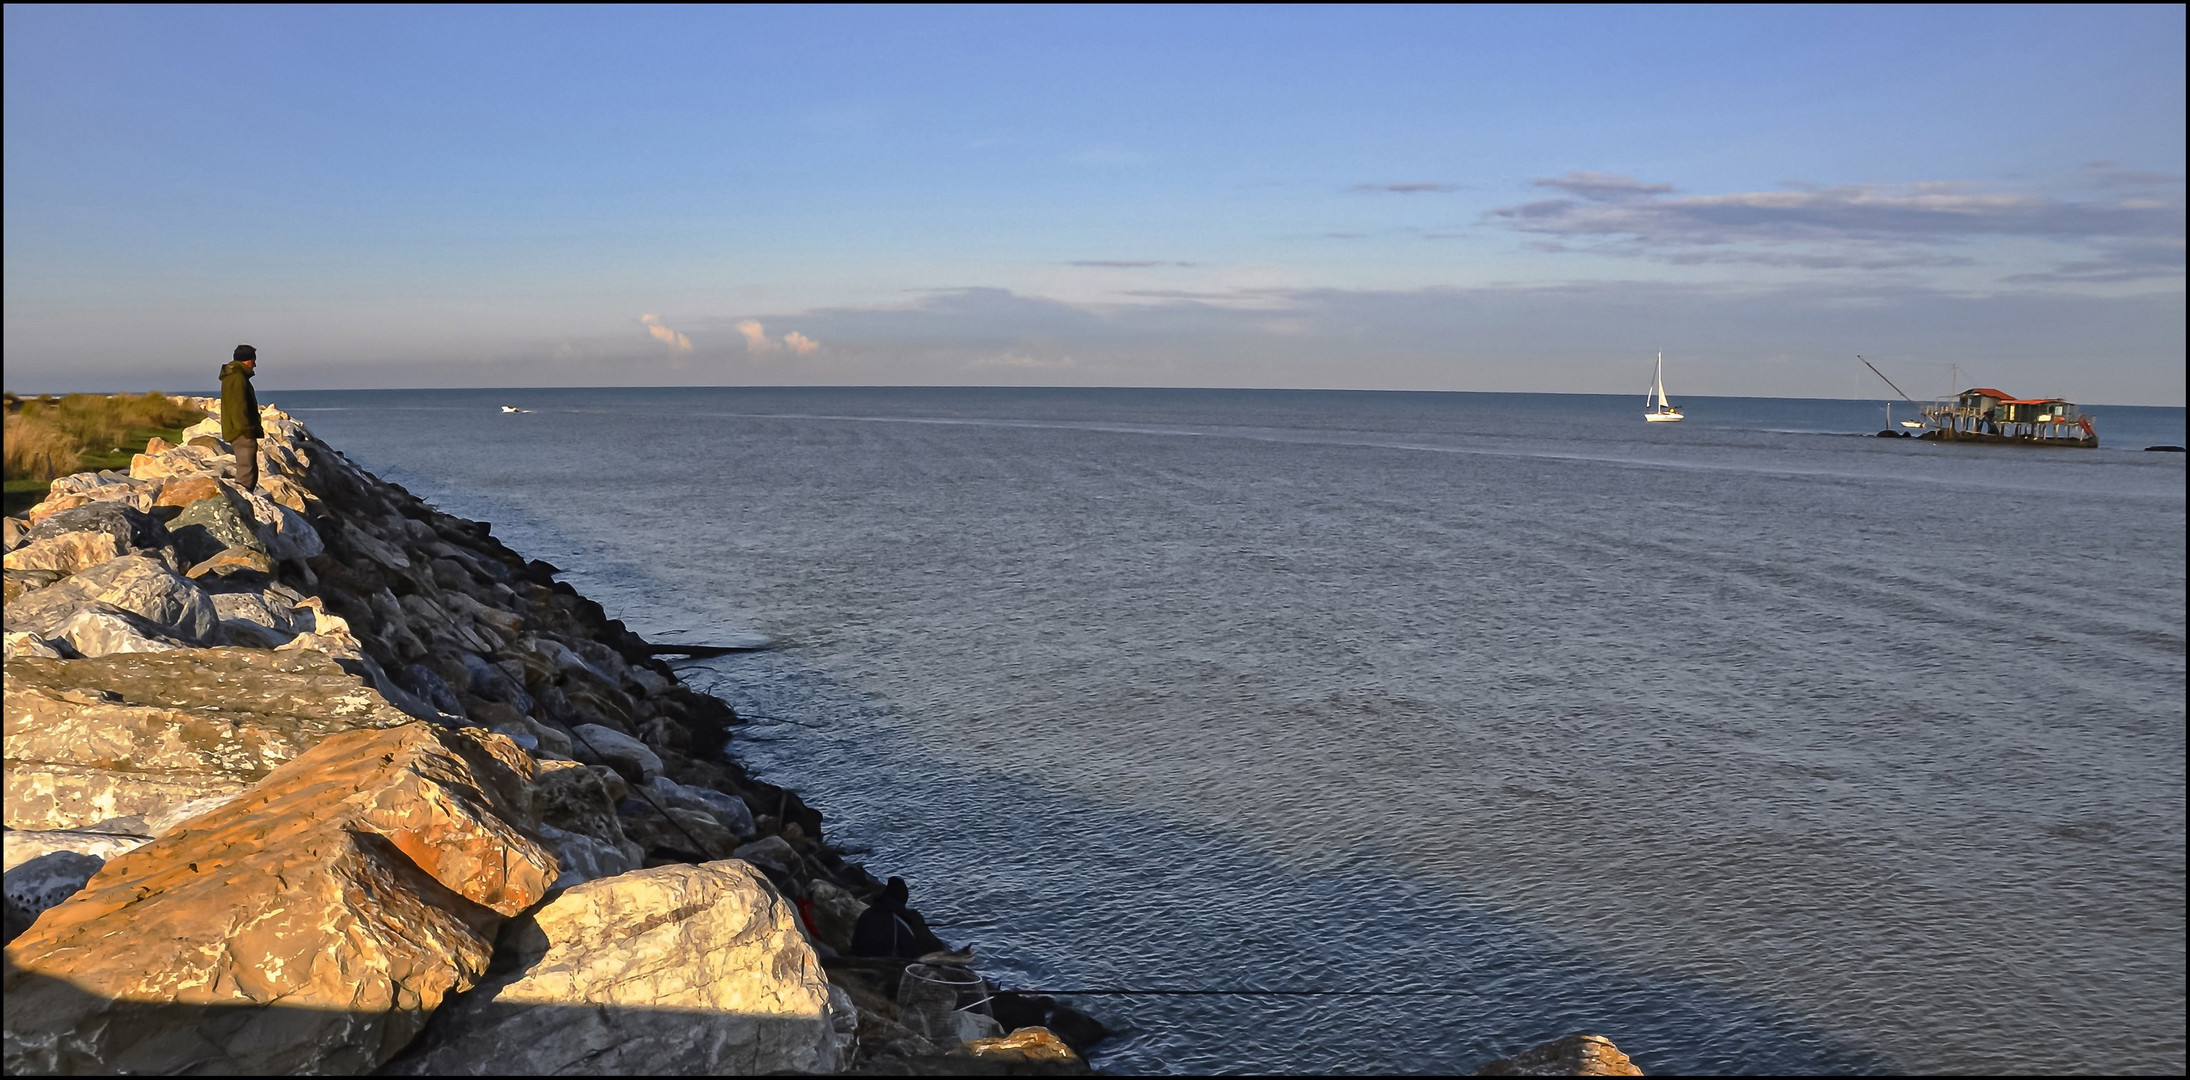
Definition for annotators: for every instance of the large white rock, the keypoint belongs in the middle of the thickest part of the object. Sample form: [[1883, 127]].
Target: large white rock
[[209, 428], [680, 969]]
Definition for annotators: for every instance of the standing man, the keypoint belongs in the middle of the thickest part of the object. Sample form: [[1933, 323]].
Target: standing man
[[240, 415]]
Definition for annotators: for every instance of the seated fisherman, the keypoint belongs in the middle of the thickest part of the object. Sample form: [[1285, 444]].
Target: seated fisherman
[[889, 928]]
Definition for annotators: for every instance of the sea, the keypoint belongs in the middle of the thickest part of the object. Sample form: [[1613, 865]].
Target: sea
[[1404, 731]]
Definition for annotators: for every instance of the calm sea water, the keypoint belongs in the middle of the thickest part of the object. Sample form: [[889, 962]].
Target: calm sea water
[[1752, 744]]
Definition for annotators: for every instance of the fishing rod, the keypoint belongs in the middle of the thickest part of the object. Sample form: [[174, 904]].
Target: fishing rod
[[1889, 382]]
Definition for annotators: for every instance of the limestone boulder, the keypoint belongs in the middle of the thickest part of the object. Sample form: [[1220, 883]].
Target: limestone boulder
[[133, 736], [1030, 1046], [267, 609], [23, 845], [582, 799], [20, 582], [291, 494], [42, 611], [34, 886], [774, 852], [679, 969], [286, 533], [131, 529], [680, 833], [1575, 1055], [12, 530], [192, 457], [30, 645], [598, 745], [184, 490], [65, 554], [214, 523], [103, 630], [142, 586], [232, 568], [101, 485], [584, 858], [836, 913], [208, 428], [371, 547], [730, 810], [310, 926]]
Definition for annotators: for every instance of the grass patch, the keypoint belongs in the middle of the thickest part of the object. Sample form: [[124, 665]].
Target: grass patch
[[24, 494], [49, 437]]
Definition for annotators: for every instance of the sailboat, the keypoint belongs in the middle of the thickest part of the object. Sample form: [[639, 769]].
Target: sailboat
[[1663, 412]]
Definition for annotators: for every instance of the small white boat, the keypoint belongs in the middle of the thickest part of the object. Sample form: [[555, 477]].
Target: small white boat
[[513, 408], [1663, 411]]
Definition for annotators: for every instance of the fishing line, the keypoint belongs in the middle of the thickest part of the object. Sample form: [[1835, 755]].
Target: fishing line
[[1170, 992]]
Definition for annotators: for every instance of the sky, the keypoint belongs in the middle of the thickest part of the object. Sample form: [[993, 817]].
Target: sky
[[1464, 198]]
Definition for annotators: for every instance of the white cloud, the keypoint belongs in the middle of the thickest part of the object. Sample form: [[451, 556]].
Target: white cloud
[[757, 343], [1622, 206], [756, 338], [665, 335]]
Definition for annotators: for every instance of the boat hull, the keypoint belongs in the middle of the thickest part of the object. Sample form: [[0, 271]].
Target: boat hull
[[1663, 417]]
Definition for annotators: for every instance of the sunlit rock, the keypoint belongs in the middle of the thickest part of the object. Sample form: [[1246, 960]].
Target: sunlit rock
[[310, 926], [1575, 1055], [132, 736], [66, 553], [674, 970]]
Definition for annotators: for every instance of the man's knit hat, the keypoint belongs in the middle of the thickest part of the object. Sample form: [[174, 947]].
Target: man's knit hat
[[246, 352]]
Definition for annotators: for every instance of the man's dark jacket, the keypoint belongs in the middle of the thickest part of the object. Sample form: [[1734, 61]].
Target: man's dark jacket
[[239, 404]]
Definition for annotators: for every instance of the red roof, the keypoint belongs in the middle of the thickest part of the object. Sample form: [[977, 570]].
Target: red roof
[[1989, 392]]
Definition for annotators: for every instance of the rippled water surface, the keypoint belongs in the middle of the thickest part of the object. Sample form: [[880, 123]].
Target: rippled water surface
[[1751, 744]]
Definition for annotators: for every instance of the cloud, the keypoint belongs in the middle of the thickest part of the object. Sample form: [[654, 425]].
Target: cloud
[[1416, 187], [2122, 262], [2111, 174], [1746, 337], [1602, 187], [757, 343], [1826, 260], [756, 339], [665, 335], [1914, 212], [1125, 264]]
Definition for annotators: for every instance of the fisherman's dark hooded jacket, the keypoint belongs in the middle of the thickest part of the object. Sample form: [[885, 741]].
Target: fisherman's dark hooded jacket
[[239, 403]]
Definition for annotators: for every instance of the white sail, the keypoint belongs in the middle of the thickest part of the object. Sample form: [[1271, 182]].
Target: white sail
[[1662, 409]]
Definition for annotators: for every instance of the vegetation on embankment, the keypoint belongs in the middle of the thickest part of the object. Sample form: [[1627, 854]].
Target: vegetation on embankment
[[55, 436]]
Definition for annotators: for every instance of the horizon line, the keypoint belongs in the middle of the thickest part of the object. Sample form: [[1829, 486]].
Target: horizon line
[[978, 386]]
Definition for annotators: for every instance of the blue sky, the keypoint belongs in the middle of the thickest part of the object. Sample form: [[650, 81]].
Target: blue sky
[[1465, 198]]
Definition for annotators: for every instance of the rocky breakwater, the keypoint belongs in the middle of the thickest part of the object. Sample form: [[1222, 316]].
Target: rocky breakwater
[[317, 779]]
